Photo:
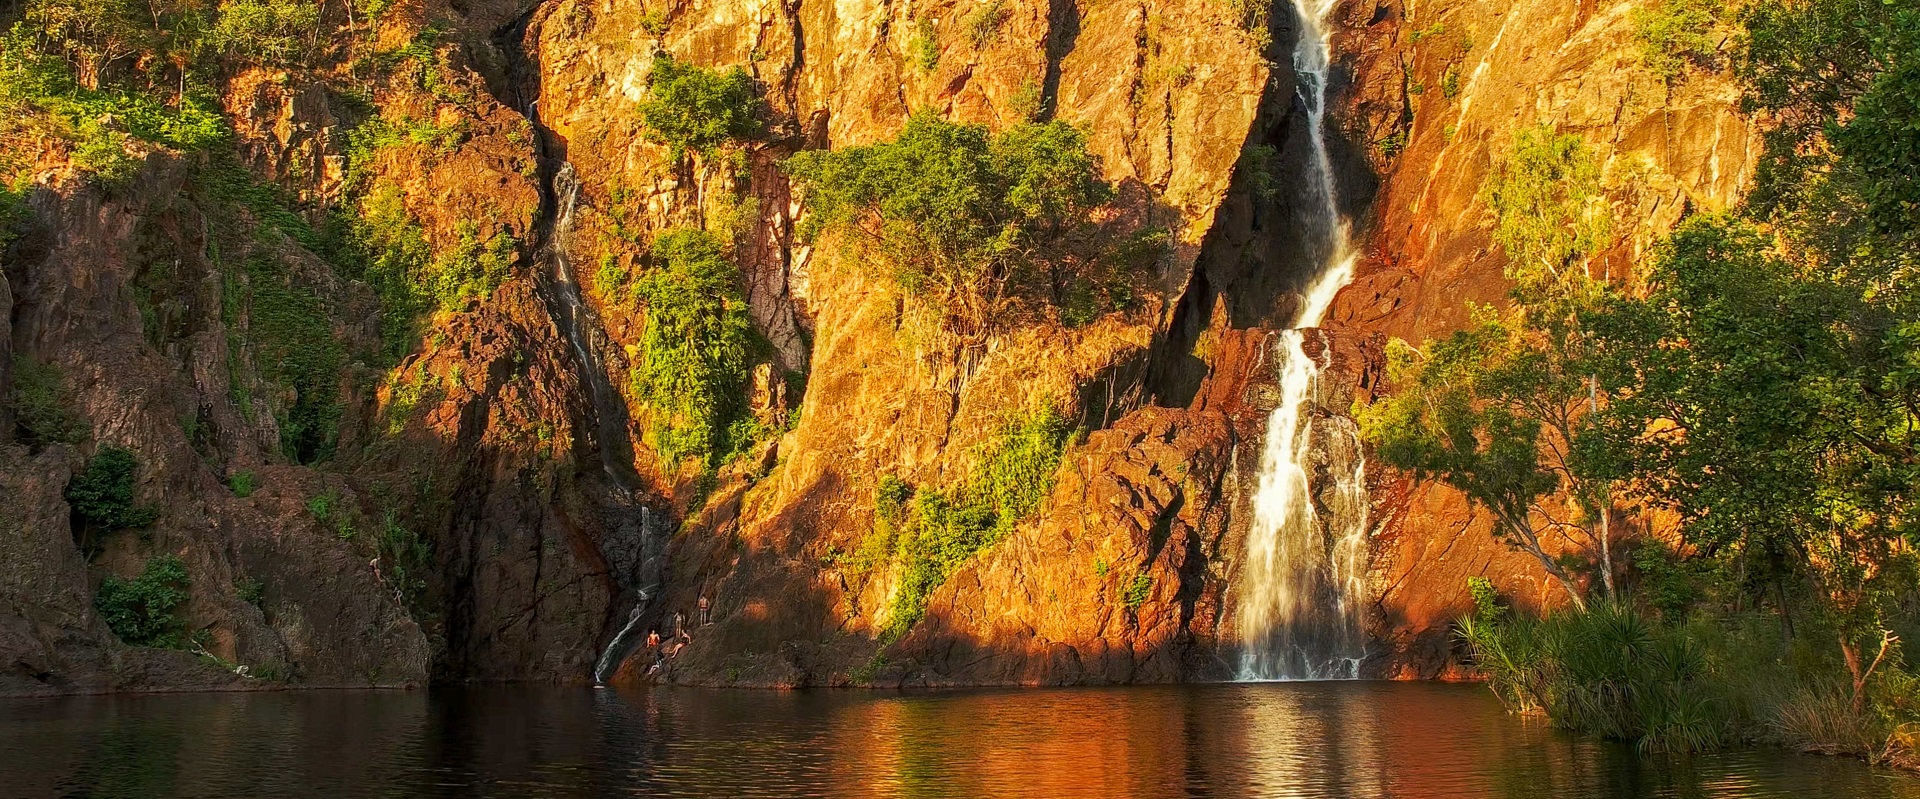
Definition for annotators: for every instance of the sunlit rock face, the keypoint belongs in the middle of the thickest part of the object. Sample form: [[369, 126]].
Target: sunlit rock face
[[546, 514]]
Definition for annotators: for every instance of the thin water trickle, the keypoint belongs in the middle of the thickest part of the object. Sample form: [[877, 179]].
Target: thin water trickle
[[1302, 587], [578, 324]]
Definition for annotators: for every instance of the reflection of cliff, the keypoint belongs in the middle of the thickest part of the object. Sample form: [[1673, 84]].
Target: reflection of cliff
[[489, 436]]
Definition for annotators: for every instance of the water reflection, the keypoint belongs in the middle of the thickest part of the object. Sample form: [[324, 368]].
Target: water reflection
[[1309, 740]]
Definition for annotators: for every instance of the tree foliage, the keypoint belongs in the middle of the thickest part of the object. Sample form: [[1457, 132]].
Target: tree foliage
[[1674, 34], [1549, 213], [690, 107], [144, 611], [693, 364], [102, 493], [1502, 410], [974, 224]]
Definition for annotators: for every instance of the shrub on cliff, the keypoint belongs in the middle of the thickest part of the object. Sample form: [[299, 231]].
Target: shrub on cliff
[[292, 341], [144, 611], [273, 32], [1673, 34], [972, 224], [101, 75], [41, 407], [690, 107], [102, 493], [692, 367], [472, 268]]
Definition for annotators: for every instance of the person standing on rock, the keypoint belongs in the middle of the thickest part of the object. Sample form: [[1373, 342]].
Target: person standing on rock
[[706, 612]]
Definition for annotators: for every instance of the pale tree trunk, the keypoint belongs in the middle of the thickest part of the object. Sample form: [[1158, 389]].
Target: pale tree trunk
[[1531, 543], [1850, 649]]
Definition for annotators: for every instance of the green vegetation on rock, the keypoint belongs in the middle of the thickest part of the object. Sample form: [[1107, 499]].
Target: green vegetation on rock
[[406, 561], [692, 368], [293, 344], [102, 493], [42, 409], [931, 532], [145, 611], [978, 226], [1673, 34], [690, 107]]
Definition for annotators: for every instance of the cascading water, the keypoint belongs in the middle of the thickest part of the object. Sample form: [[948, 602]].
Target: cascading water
[[634, 544], [578, 323], [1301, 591]]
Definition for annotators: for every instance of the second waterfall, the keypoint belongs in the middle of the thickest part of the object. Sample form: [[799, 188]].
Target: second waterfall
[[1301, 589]]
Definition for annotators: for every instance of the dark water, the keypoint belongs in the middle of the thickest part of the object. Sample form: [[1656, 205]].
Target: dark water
[[1275, 740]]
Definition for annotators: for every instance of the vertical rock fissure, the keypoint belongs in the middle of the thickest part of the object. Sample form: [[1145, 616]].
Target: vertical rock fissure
[[1301, 587], [634, 543]]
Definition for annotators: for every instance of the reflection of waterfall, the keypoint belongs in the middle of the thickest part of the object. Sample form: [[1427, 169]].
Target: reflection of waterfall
[[1301, 589]]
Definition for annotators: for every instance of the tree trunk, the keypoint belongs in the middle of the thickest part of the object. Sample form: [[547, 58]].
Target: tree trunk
[[1531, 544], [1850, 650]]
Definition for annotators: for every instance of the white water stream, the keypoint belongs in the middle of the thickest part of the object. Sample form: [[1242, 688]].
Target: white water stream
[[1301, 591]]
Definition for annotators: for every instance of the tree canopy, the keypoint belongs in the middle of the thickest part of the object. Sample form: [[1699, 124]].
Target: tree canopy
[[971, 222]]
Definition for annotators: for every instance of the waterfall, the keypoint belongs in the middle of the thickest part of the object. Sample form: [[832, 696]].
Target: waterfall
[[1301, 592], [578, 324]]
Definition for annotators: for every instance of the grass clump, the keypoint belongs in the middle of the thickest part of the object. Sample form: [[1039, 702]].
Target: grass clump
[[145, 611], [43, 410], [692, 370], [932, 532], [984, 23], [1138, 590], [242, 483], [690, 107], [1688, 681]]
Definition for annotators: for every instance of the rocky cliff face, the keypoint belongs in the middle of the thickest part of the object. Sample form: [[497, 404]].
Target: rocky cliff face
[[486, 505]]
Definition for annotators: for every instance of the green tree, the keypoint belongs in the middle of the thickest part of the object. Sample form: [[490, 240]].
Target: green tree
[[1773, 407], [970, 222], [102, 493], [144, 611], [1767, 387], [690, 107], [1503, 411], [693, 365]]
